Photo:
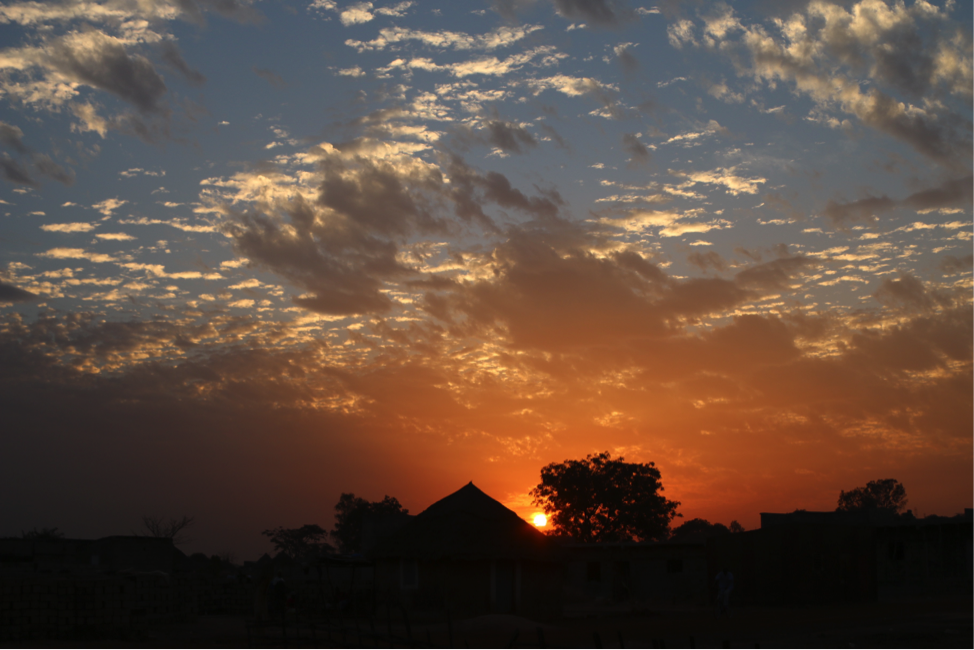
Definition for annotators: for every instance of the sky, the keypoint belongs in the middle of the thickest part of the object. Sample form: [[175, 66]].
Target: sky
[[254, 254]]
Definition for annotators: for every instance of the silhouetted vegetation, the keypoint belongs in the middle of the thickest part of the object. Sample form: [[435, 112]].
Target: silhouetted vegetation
[[168, 529], [697, 530], [302, 543], [350, 511], [886, 494], [604, 499], [42, 534]]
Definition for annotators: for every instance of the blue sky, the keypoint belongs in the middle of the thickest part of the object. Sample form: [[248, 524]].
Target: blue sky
[[488, 236]]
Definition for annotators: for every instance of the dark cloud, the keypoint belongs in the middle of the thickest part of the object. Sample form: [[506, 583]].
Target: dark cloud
[[47, 166], [555, 136], [11, 136], [270, 77], [783, 205], [951, 265], [14, 171], [841, 214], [908, 293], [498, 189], [509, 136], [342, 247], [775, 275], [104, 63], [172, 56], [241, 11], [11, 294], [602, 13], [627, 59], [957, 192], [708, 260], [949, 194], [638, 152]]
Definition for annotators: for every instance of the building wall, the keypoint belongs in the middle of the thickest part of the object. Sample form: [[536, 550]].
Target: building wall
[[924, 560], [797, 564], [659, 575]]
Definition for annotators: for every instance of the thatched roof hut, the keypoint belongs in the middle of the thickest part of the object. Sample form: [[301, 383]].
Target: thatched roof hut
[[468, 525], [470, 554]]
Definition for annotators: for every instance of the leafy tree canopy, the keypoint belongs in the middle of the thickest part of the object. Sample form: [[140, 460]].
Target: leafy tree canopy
[[301, 544], [604, 499], [697, 530], [885, 494], [350, 512]]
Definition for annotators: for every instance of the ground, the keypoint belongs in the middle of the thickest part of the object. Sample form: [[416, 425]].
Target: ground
[[927, 624]]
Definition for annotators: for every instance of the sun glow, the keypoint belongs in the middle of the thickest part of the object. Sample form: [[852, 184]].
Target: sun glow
[[540, 520]]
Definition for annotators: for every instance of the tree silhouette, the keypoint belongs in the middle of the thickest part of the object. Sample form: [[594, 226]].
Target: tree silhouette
[[885, 494], [604, 499], [168, 529], [697, 530], [42, 534], [350, 512], [301, 544]]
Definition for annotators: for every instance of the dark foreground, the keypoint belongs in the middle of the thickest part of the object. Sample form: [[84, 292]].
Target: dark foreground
[[927, 624]]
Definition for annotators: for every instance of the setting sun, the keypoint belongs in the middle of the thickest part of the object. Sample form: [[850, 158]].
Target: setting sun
[[540, 520]]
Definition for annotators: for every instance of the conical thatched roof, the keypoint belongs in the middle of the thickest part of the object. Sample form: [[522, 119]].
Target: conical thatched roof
[[468, 525]]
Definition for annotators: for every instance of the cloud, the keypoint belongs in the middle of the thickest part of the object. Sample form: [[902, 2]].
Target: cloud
[[357, 14], [101, 61], [76, 254], [12, 137], [10, 294], [951, 193], [392, 36], [509, 136], [47, 166], [727, 177], [907, 292], [15, 172], [824, 49], [270, 77], [108, 206], [69, 227], [603, 13], [951, 264], [626, 58], [708, 260], [172, 56], [638, 152]]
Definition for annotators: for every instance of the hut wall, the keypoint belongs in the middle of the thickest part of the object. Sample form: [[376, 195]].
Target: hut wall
[[470, 587]]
